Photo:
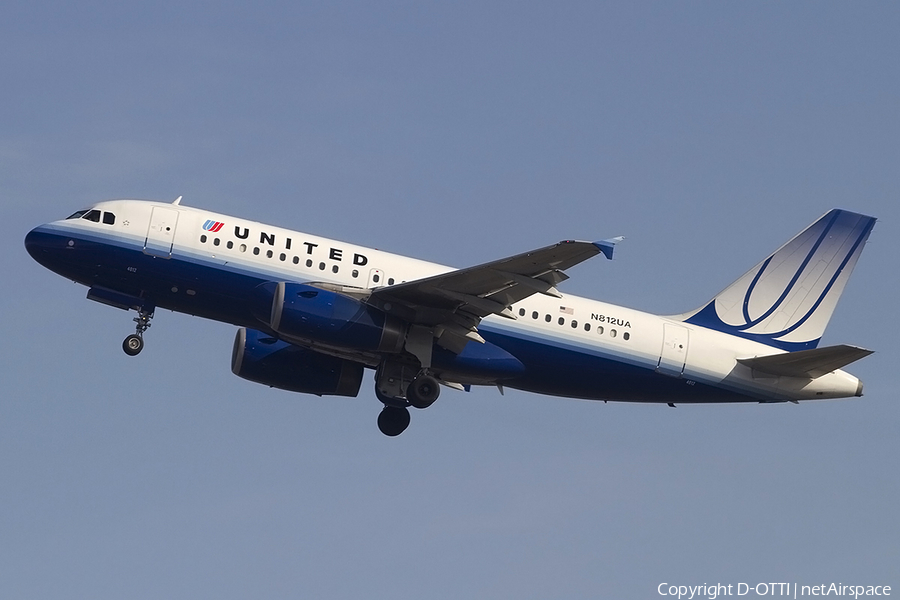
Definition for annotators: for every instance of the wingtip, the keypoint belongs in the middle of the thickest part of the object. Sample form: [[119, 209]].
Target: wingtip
[[607, 246]]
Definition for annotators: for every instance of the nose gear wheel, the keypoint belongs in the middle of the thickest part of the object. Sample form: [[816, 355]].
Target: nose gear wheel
[[134, 343]]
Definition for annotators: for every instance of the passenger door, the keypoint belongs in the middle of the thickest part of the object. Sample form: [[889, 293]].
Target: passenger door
[[674, 350], [161, 233]]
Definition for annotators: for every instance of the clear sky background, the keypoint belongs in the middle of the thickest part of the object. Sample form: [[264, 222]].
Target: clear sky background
[[707, 133]]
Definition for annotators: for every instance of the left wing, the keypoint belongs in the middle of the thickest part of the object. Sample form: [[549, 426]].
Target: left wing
[[453, 304]]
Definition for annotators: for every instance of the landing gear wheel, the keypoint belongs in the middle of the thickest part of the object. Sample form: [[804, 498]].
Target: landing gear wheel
[[133, 345], [423, 391], [393, 421]]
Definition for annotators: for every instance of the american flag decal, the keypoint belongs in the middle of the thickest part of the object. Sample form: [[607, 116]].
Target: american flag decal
[[566, 310]]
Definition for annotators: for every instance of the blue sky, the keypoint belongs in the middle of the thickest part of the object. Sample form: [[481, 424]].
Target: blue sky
[[707, 133]]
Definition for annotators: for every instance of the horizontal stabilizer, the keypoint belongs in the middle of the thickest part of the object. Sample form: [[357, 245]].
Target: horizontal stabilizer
[[807, 363]]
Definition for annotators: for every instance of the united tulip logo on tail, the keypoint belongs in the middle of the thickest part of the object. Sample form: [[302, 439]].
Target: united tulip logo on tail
[[213, 226]]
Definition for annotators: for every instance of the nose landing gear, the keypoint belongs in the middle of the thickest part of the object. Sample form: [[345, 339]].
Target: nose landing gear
[[134, 343]]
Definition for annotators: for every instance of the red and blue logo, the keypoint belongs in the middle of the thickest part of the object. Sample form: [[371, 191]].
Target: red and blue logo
[[213, 226]]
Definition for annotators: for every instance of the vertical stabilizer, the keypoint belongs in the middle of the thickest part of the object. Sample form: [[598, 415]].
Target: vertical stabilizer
[[787, 300]]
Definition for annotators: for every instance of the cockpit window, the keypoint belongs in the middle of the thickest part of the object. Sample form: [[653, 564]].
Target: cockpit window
[[92, 214]]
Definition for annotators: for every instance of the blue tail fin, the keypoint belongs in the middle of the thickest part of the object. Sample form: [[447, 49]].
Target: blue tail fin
[[787, 300]]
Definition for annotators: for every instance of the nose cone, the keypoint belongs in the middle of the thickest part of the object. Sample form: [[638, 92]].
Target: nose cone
[[33, 243], [47, 248]]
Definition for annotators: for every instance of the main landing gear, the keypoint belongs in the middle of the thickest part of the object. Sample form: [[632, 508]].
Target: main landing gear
[[393, 420], [134, 343], [421, 392]]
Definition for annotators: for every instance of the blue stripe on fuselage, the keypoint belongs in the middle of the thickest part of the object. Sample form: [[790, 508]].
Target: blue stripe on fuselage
[[559, 367]]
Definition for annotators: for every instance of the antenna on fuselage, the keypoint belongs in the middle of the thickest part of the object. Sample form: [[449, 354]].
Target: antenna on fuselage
[[178, 200]]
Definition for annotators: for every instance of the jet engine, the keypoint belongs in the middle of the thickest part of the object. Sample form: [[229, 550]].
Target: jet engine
[[300, 311], [261, 358]]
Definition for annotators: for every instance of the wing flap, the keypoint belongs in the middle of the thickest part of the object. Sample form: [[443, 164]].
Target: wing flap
[[806, 363]]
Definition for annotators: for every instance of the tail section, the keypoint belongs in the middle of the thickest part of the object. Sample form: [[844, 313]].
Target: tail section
[[787, 300]]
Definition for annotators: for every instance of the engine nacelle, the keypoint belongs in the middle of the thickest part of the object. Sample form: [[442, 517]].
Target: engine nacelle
[[261, 358], [296, 310]]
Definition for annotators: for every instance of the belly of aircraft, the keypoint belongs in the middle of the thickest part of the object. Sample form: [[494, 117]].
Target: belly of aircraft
[[556, 370]]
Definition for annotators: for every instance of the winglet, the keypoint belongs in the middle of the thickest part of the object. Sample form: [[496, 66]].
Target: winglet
[[177, 200], [607, 246]]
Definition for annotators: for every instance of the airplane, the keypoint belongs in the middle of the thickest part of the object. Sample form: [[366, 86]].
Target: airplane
[[314, 313]]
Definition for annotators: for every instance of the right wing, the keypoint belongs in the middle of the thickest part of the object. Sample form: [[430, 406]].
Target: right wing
[[452, 304]]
